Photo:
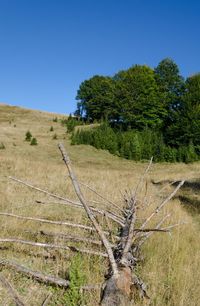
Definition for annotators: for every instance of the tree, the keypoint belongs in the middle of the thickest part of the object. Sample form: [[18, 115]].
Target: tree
[[95, 98], [171, 83], [28, 136], [137, 98], [186, 124]]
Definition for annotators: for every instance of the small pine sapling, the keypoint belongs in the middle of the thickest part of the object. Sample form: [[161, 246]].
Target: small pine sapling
[[28, 136], [33, 142]]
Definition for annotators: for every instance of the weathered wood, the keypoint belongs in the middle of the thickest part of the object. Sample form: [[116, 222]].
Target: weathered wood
[[89, 212], [110, 214], [70, 224], [52, 246], [160, 206], [66, 237], [47, 299], [39, 276], [12, 292]]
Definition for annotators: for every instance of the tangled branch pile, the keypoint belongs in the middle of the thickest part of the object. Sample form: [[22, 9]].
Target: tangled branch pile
[[119, 242]]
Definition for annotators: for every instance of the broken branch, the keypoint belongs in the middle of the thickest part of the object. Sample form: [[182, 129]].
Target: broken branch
[[89, 212], [11, 290], [44, 278], [52, 246]]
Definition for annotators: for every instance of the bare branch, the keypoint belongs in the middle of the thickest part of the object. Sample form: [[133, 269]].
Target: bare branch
[[52, 246], [67, 237], [160, 206], [44, 191], [110, 215], [85, 227], [89, 212], [150, 233], [99, 195], [146, 230], [44, 278], [142, 177], [114, 217], [11, 291], [128, 234], [47, 299]]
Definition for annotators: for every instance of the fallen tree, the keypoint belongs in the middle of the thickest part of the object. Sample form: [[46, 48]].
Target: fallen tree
[[121, 250]]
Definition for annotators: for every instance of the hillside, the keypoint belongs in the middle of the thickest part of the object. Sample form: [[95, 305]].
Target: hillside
[[171, 262]]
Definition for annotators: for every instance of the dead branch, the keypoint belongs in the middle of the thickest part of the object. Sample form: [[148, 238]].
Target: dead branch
[[114, 217], [146, 236], [143, 177], [75, 225], [47, 299], [146, 230], [110, 214], [131, 217], [66, 237], [85, 227], [11, 290], [99, 195], [44, 191], [160, 206], [52, 246], [89, 212], [44, 278]]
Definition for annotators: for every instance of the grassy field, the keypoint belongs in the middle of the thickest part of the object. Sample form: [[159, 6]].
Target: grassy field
[[170, 264]]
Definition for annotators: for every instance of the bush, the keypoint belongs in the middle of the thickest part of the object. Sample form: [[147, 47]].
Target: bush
[[2, 146], [28, 136], [33, 142], [51, 129], [55, 136], [77, 279], [55, 119]]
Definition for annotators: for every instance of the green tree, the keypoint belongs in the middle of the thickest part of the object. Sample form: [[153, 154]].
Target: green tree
[[28, 136], [185, 127], [33, 142], [95, 98], [170, 82], [137, 98]]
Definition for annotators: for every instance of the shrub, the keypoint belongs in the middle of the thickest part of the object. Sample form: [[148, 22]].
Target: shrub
[[77, 279], [33, 142], [28, 136], [55, 119], [55, 136], [51, 129], [2, 146]]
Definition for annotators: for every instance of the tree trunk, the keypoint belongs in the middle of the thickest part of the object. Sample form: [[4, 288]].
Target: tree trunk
[[117, 290]]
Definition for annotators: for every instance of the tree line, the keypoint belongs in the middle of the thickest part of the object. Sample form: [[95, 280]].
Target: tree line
[[145, 101]]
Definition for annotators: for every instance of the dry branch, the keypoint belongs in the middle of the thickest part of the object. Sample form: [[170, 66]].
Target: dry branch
[[47, 299], [110, 214], [89, 212], [160, 206], [75, 225], [67, 237], [11, 291], [52, 246], [131, 218], [41, 277], [146, 236], [99, 195], [85, 227]]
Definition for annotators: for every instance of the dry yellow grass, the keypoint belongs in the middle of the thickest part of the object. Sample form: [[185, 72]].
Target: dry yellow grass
[[171, 263]]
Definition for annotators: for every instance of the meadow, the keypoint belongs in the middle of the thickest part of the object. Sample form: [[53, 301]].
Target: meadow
[[170, 262]]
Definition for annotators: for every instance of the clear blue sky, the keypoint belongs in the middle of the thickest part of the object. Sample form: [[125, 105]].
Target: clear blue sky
[[48, 47]]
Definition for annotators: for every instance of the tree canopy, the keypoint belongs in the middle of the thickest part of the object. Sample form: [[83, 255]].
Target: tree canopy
[[143, 99]]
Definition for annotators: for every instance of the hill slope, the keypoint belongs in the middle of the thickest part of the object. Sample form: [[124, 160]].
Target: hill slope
[[171, 263]]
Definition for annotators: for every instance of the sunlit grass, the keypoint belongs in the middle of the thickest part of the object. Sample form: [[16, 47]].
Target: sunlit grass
[[171, 262]]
